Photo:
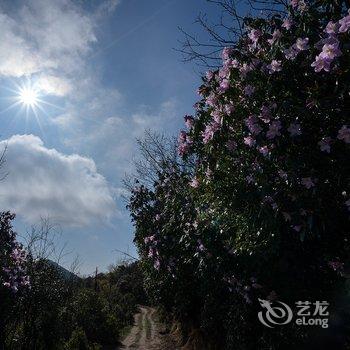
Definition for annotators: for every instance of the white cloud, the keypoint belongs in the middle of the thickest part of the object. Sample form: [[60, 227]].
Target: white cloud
[[16, 56], [53, 85], [44, 182], [49, 37], [61, 32], [115, 134], [107, 7]]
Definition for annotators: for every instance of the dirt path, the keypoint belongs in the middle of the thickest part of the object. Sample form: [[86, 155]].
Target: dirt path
[[147, 333]]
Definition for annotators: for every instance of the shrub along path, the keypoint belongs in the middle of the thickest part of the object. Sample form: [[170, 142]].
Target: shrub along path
[[147, 333]]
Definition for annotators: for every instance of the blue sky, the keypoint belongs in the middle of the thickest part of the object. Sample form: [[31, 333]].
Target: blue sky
[[104, 71]]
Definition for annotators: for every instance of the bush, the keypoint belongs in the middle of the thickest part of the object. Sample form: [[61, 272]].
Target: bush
[[265, 209], [60, 310]]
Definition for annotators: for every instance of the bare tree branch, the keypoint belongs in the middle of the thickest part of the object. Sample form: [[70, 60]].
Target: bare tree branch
[[205, 47]]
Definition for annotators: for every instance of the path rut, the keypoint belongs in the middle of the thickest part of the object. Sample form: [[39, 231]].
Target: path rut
[[146, 334]]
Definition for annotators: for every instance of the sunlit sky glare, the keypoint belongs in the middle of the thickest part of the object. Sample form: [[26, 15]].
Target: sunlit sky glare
[[79, 82], [28, 96]]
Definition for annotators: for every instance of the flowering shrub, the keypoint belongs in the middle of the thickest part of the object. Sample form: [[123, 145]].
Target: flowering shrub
[[12, 257], [272, 127], [267, 204], [13, 275]]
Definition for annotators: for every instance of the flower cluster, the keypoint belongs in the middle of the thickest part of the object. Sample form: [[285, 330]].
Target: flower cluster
[[268, 126], [13, 257], [15, 272]]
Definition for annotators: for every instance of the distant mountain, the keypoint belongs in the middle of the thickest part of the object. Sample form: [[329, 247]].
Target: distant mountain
[[67, 275]]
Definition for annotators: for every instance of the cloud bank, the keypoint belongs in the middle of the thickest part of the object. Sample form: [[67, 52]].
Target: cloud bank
[[50, 38], [44, 182]]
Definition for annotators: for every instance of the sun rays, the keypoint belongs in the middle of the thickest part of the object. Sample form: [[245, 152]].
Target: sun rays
[[28, 96], [27, 100]]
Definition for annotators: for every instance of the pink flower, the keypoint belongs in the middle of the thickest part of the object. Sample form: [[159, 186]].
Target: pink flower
[[296, 228], [287, 23], [336, 265], [331, 51], [224, 85], [332, 27], [300, 4], [157, 264], [184, 143], [209, 75], [194, 183], [183, 149], [208, 133], [182, 136], [208, 173], [276, 35], [250, 178], [294, 129], [254, 35], [234, 63], [252, 124], [344, 134], [294, 3], [344, 24], [290, 54], [229, 109], [226, 53], [212, 100], [274, 129], [7, 284], [151, 252], [307, 182], [249, 141], [189, 121], [301, 44], [331, 39], [325, 144], [224, 73], [245, 69], [274, 66], [264, 150], [321, 63], [266, 113], [249, 90], [217, 117], [200, 247], [211, 129]]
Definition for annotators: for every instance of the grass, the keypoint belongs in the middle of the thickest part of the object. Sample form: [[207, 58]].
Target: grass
[[147, 327], [124, 332]]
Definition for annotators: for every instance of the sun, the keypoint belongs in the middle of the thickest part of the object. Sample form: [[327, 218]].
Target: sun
[[31, 100], [28, 96]]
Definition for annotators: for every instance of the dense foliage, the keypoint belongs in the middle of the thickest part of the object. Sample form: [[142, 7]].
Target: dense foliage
[[265, 210], [53, 309]]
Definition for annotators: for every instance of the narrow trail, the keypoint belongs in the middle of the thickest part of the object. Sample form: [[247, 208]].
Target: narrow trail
[[147, 334]]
